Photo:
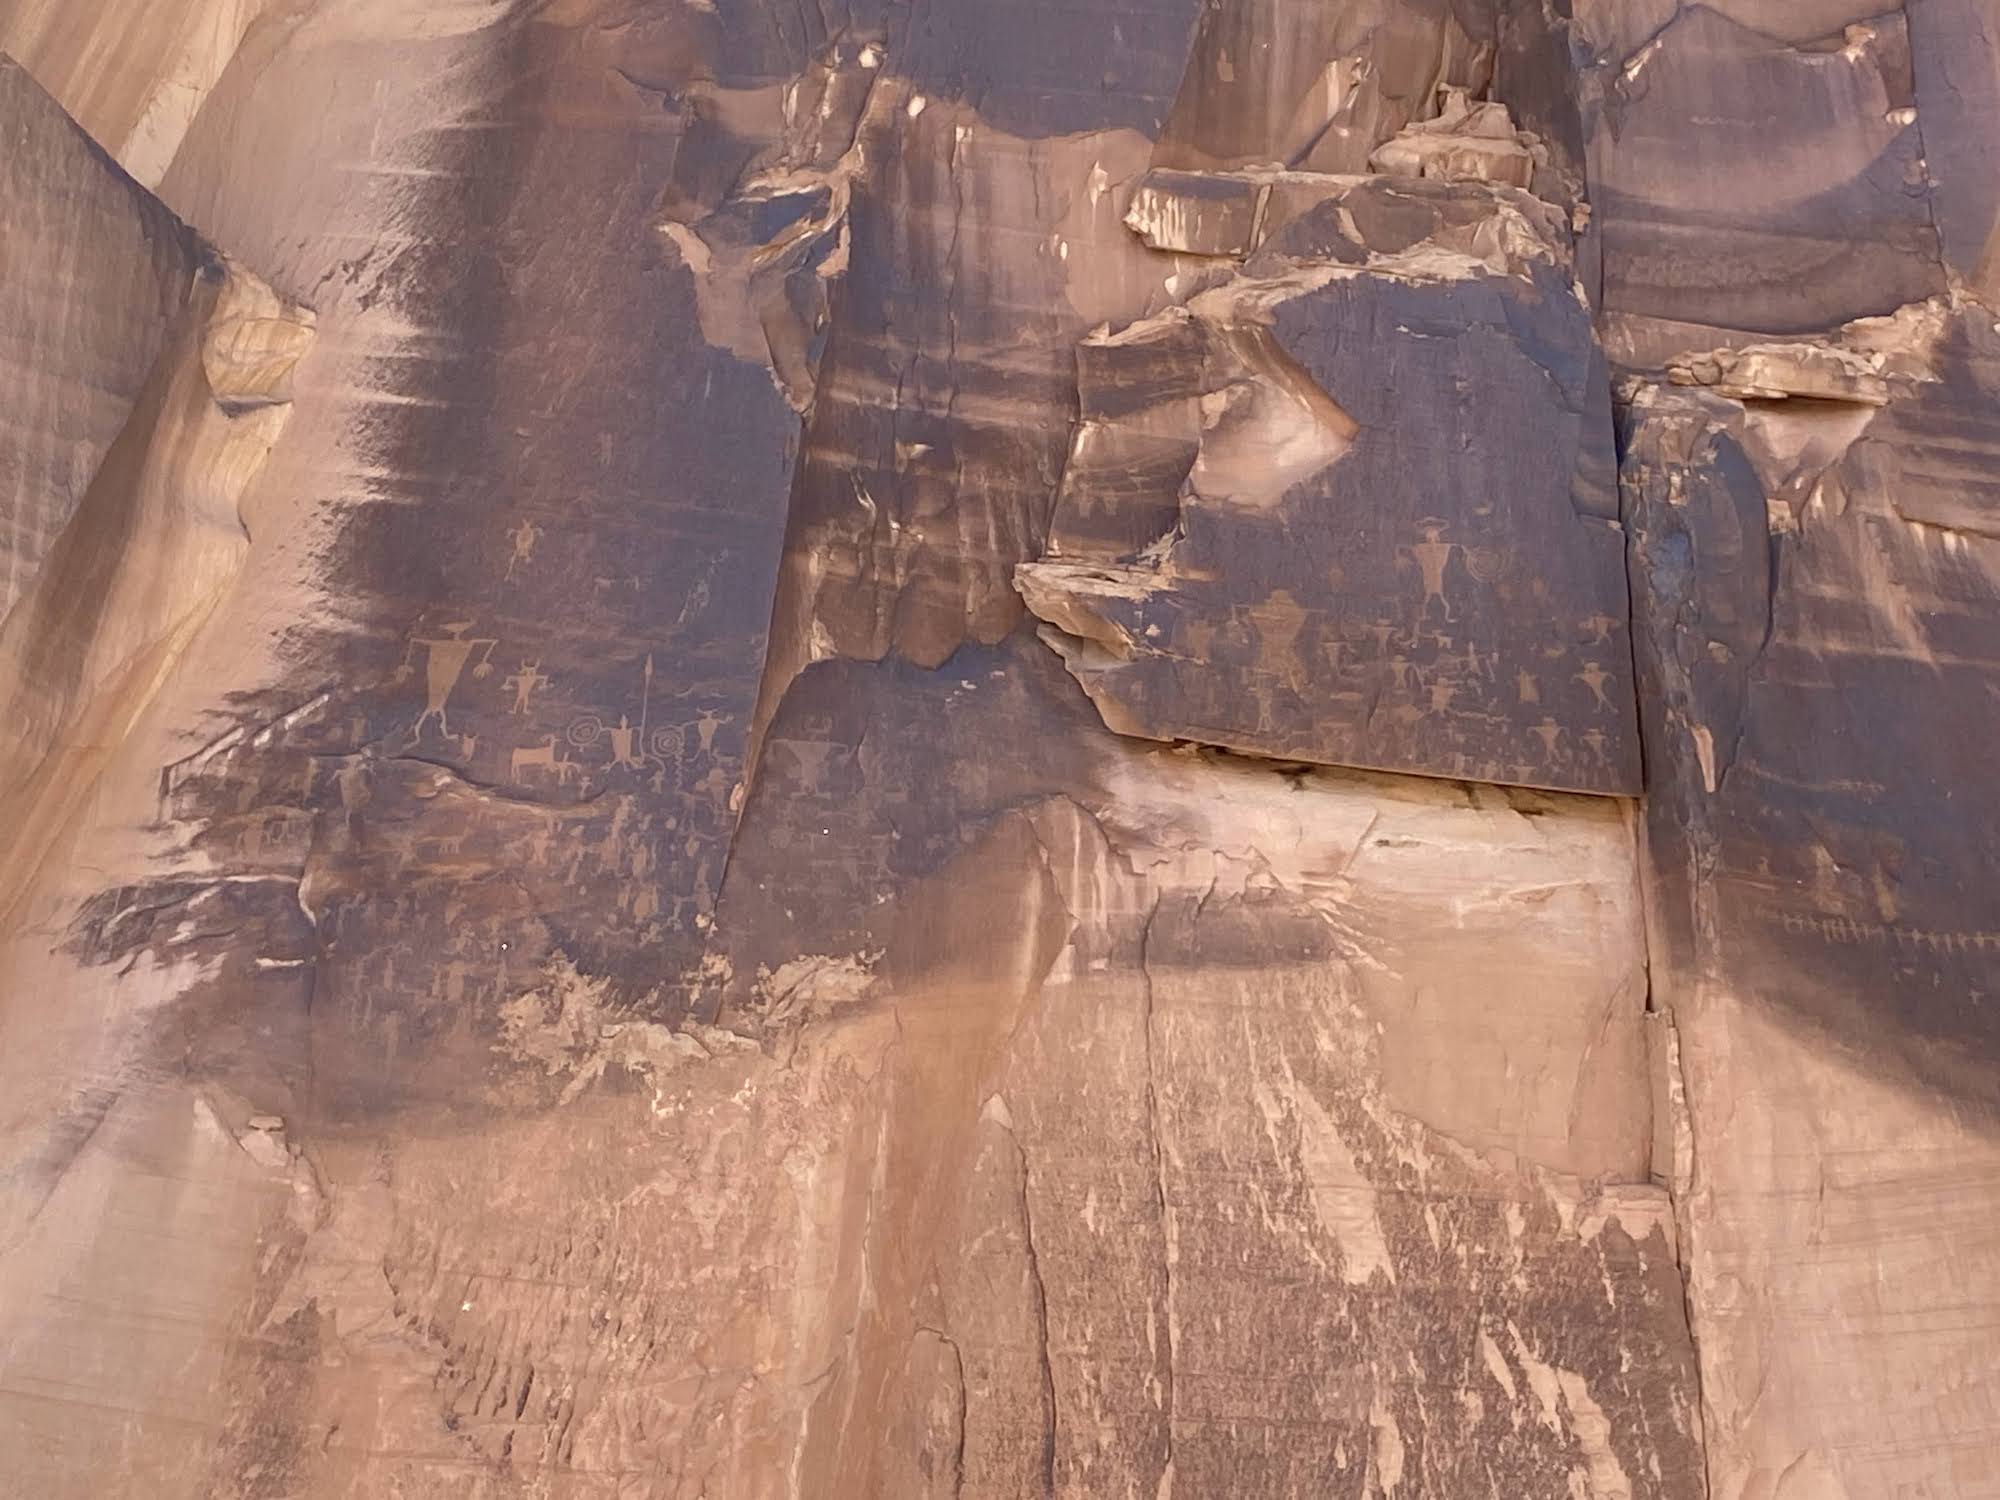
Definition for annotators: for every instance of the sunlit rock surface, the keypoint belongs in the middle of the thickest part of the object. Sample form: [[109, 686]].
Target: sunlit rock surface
[[1154, 750], [82, 328], [134, 73]]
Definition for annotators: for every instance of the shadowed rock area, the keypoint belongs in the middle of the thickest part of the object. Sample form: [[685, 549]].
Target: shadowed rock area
[[962, 749]]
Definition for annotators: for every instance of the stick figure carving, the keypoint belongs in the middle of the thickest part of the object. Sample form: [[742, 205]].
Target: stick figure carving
[[524, 683]]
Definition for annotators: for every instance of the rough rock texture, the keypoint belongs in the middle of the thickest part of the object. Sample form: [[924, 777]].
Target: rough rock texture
[[1319, 85], [1758, 165], [1810, 504], [875, 749], [1354, 506], [1816, 580]]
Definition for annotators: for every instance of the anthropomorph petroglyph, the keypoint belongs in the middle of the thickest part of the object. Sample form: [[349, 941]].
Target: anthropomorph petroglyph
[[630, 745], [524, 537], [1432, 556], [448, 655], [705, 728], [524, 683], [624, 745], [1594, 677]]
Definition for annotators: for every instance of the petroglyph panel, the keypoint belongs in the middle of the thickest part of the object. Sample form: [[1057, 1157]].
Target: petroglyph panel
[[572, 938], [1815, 583], [1816, 580], [1358, 514]]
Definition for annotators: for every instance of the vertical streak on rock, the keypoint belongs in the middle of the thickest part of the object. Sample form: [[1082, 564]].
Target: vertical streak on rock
[[958, 1445], [608, 1243], [1168, 1240], [1041, 1295], [134, 72], [155, 544], [1807, 500], [98, 270]]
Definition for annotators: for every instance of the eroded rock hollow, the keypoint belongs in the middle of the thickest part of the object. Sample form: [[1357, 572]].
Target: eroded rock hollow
[[952, 748]]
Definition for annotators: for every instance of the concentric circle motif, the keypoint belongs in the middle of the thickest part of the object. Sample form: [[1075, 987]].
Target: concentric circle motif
[[585, 732]]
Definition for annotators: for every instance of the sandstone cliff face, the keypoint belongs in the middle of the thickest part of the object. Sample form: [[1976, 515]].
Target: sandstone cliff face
[[84, 327], [1177, 749]]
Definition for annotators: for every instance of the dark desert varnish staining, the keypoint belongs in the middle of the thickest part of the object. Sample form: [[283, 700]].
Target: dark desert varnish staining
[[530, 732], [948, 385], [1818, 686], [1956, 68], [1298, 518], [1755, 173], [72, 389], [523, 733], [1807, 504], [1350, 555], [454, 823], [1319, 86], [1807, 508], [965, 1098], [156, 412]]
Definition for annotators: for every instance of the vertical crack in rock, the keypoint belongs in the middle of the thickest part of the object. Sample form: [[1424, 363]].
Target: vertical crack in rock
[[1809, 648], [1930, 185], [918, 689], [1169, 1246], [962, 1406], [1050, 1409], [1676, 1163]]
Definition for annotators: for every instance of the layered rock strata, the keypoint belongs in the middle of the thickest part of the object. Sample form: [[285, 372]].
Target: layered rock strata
[[1355, 505], [83, 329], [914, 772], [1790, 201]]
